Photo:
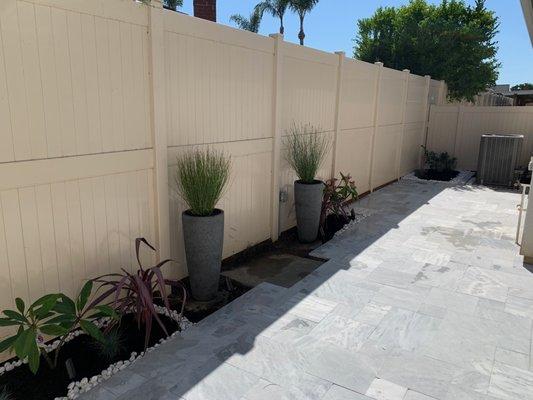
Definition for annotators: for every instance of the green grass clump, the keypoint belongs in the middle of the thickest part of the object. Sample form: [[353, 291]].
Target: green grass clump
[[202, 176], [306, 150]]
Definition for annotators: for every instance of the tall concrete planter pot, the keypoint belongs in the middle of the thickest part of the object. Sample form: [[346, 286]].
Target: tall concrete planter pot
[[204, 238], [308, 202]]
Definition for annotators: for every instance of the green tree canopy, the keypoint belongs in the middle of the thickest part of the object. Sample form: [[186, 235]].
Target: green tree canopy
[[252, 23], [523, 86], [450, 41]]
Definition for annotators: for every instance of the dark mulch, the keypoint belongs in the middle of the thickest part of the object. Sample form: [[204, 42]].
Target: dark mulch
[[195, 311], [434, 175], [88, 361]]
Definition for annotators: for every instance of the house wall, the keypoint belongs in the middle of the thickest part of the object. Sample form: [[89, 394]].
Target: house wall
[[97, 98], [457, 129]]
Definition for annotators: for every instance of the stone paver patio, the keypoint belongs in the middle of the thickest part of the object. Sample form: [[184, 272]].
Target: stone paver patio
[[426, 299]]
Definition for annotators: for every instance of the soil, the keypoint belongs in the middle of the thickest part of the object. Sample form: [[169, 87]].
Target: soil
[[434, 175], [195, 311], [21, 384]]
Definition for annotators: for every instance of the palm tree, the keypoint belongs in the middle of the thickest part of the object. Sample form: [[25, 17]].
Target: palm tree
[[250, 24], [172, 4], [275, 7], [302, 8]]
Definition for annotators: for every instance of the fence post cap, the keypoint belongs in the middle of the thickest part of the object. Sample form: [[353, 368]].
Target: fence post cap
[[276, 36], [340, 53], [378, 63]]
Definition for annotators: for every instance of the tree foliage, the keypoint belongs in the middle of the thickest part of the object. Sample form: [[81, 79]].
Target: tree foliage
[[172, 4], [450, 41], [252, 23], [523, 86], [277, 8], [302, 8]]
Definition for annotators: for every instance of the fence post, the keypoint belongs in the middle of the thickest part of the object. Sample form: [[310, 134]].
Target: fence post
[[406, 73], [374, 125], [442, 93], [425, 125], [458, 128], [158, 125], [276, 135], [336, 129]]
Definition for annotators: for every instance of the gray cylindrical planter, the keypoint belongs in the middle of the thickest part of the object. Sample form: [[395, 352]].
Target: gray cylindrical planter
[[308, 200], [203, 237]]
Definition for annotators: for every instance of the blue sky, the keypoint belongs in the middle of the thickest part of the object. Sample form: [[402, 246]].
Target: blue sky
[[332, 26]]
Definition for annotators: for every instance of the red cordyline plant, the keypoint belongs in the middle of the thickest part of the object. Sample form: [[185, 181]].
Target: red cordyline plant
[[337, 194], [136, 292]]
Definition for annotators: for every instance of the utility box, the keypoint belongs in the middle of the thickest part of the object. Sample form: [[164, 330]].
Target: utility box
[[498, 158]]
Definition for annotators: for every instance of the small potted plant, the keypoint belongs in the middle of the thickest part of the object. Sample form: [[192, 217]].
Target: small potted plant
[[306, 150], [202, 176]]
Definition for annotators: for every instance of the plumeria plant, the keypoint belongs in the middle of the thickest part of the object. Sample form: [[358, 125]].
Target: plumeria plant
[[55, 315]]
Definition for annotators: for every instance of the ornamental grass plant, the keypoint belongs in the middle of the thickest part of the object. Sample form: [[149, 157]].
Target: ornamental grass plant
[[202, 176], [306, 150]]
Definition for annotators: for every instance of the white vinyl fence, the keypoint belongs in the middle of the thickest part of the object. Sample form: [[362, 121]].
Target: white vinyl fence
[[457, 129], [97, 98]]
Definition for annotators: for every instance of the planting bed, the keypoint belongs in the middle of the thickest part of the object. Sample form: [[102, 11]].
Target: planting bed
[[434, 175], [87, 358]]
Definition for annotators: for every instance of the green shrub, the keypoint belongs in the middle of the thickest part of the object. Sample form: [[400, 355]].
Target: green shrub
[[202, 176], [55, 315], [306, 150], [440, 162]]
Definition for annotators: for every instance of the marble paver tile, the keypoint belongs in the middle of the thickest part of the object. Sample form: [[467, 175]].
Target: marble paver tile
[[214, 380], [343, 332], [519, 306], [266, 358], [340, 393], [309, 307], [454, 301], [287, 328], [412, 395], [381, 389], [123, 382], [405, 329], [509, 382], [404, 369], [391, 277], [372, 313], [311, 388], [432, 311], [409, 298], [100, 393], [481, 283], [461, 393], [339, 366], [444, 277], [512, 358]]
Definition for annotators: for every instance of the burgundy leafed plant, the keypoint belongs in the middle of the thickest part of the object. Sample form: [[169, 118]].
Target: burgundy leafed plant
[[136, 292]]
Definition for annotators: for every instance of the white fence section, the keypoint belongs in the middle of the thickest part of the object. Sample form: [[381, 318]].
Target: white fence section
[[457, 129], [98, 97]]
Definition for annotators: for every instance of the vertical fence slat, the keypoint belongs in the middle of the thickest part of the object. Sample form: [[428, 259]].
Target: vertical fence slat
[[374, 126], [159, 133], [336, 126], [276, 136]]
